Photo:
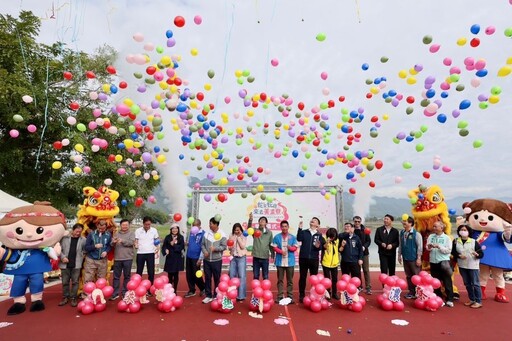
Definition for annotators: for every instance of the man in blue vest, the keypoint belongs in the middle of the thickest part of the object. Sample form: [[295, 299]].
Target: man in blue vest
[[410, 251]]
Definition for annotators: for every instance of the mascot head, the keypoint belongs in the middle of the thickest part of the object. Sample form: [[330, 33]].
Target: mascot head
[[489, 215], [32, 227]]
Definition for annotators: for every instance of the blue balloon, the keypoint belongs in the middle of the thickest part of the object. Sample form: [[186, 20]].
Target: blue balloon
[[144, 123], [113, 89], [365, 66], [377, 81], [349, 175], [124, 202], [481, 73], [353, 114], [156, 149], [475, 29], [452, 211], [182, 107], [441, 118], [385, 95], [213, 124], [183, 97], [181, 156], [302, 174], [281, 189], [169, 34], [201, 118], [409, 138], [345, 128], [295, 153], [392, 93], [245, 233], [134, 136], [464, 104], [121, 145], [206, 126], [444, 94], [324, 151], [361, 117], [430, 93]]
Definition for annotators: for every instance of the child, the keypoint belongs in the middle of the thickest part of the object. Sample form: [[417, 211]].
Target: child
[[331, 259]]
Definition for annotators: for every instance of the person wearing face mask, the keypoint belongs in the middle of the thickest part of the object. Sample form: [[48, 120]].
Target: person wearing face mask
[[468, 252]]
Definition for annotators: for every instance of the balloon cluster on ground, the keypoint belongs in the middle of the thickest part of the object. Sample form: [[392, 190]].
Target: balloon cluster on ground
[[262, 298], [390, 299], [226, 293], [97, 294], [317, 301], [348, 288], [136, 294], [425, 296], [165, 295]]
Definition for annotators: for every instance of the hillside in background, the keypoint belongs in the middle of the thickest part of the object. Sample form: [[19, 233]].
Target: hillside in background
[[381, 206]]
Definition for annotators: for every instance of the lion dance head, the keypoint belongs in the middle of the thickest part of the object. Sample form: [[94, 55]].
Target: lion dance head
[[99, 204]]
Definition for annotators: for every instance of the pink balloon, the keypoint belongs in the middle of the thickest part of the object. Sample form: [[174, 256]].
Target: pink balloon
[[416, 280], [177, 301], [431, 304], [87, 308], [258, 292], [356, 307], [101, 283], [341, 285], [362, 300], [387, 305], [255, 284], [89, 287], [274, 62], [80, 305], [32, 128], [402, 284], [224, 278], [134, 307], [146, 283], [223, 286], [325, 304], [398, 306], [140, 291], [107, 291], [99, 307], [122, 306], [136, 278], [356, 281], [324, 75], [382, 278], [313, 280], [315, 306], [198, 20], [381, 298], [233, 293], [390, 281], [267, 306], [14, 133], [307, 301], [266, 284], [423, 274], [267, 295], [436, 283], [234, 282], [326, 282], [215, 305], [351, 289], [419, 304], [320, 277], [320, 289], [159, 283], [165, 279]]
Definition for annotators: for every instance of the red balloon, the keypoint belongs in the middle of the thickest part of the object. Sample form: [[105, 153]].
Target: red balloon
[[74, 106], [221, 197], [474, 42], [314, 280], [90, 74], [356, 281], [146, 283], [436, 284], [231, 190], [68, 75], [230, 243], [57, 145], [257, 234], [107, 291], [177, 301], [378, 164], [326, 283], [325, 304], [381, 298], [258, 292], [255, 284], [132, 285], [416, 280], [123, 85], [351, 289], [426, 175], [233, 293], [320, 289], [89, 287], [371, 184], [223, 286], [267, 295], [179, 21], [111, 70], [215, 305], [159, 283], [140, 291], [362, 300], [352, 190], [390, 281], [267, 306], [177, 217], [419, 304], [432, 304], [139, 201], [367, 231]]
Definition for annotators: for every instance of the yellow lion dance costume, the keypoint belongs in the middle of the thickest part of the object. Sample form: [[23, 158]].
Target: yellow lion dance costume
[[99, 204], [428, 207]]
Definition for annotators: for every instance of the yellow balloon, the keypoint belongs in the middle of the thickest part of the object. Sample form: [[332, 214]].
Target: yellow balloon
[[413, 71], [118, 158], [411, 80], [462, 41], [385, 117], [138, 172], [79, 148], [137, 144], [504, 71], [56, 165], [186, 173], [217, 236], [194, 52], [199, 274], [327, 196], [493, 99], [402, 74], [220, 167], [193, 104], [156, 177], [250, 231], [223, 181], [77, 170], [161, 158], [163, 85], [374, 90], [207, 86], [260, 188], [128, 102], [405, 216], [238, 73], [250, 113], [166, 60], [206, 157]]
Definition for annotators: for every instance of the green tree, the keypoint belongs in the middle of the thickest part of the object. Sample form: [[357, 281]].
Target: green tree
[[27, 170]]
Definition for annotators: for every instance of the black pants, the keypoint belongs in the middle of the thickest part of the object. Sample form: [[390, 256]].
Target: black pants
[[149, 260], [352, 269], [212, 269], [192, 279], [443, 272], [387, 264], [123, 267], [305, 265], [174, 278], [332, 274]]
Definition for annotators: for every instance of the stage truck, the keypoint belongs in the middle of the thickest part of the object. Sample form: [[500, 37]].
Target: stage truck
[[275, 202]]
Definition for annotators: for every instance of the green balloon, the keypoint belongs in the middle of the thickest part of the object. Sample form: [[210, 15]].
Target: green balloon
[[460, 87], [508, 32], [254, 191], [217, 217], [369, 81], [211, 73], [478, 143], [190, 220], [407, 165], [496, 90], [409, 110], [463, 132], [137, 75], [420, 147], [427, 39], [396, 140], [424, 102], [462, 124], [483, 105], [423, 128], [250, 79], [384, 59], [320, 36], [263, 196], [244, 195], [81, 127], [288, 191]]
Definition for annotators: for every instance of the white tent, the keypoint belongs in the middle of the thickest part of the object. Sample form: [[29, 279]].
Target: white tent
[[8, 203]]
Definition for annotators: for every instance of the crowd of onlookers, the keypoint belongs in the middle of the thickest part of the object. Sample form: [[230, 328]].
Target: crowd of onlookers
[[200, 254]]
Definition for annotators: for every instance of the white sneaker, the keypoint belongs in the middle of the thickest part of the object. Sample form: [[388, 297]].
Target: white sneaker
[[449, 304], [207, 300]]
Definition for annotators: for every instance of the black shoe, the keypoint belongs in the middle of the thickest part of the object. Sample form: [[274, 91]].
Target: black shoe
[[74, 302], [301, 300], [190, 294], [148, 294], [240, 300], [113, 298], [37, 306], [202, 293], [63, 302], [16, 308]]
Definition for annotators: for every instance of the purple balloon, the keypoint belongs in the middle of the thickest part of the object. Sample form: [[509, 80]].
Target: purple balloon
[[455, 113], [146, 157], [207, 197], [171, 42]]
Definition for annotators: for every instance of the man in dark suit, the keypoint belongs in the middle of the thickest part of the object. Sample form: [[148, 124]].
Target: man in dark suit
[[386, 237], [366, 239]]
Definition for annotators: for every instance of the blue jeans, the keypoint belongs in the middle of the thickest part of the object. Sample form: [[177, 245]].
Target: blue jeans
[[472, 283], [123, 267], [237, 268], [258, 263]]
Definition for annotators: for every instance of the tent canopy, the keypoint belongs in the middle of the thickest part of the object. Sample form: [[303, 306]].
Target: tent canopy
[[8, 202]]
